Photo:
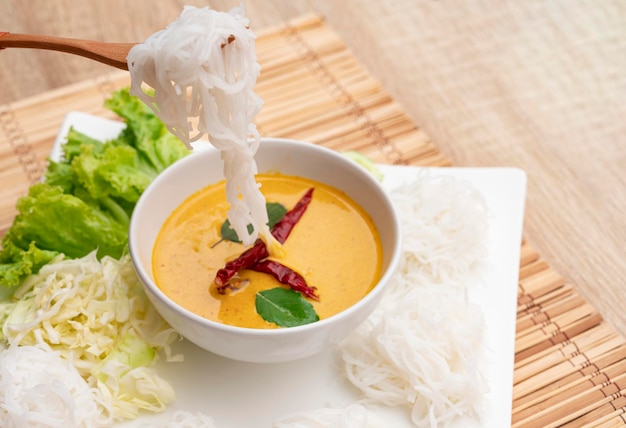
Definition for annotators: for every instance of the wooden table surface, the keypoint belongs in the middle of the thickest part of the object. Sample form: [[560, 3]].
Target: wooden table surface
[[536, 85]]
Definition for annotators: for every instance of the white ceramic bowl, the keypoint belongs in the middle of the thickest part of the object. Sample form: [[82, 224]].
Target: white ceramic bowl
[[204, 167]]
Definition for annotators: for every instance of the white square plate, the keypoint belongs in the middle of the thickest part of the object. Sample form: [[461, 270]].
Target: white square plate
[[240, 394]]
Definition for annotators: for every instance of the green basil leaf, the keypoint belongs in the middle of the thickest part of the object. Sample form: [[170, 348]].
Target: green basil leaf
[[285, 307], [229, 234], [275, 212]]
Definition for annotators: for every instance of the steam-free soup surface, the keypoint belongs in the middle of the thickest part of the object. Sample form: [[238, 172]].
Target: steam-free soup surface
[[335, 246]]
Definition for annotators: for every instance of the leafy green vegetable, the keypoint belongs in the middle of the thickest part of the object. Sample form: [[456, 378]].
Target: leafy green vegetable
[[87, 198], [156, 147], [275, 212], [16, 263], [285, 307], [365, 162], [229, 234]]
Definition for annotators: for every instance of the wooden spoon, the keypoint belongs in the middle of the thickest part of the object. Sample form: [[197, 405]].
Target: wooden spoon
[[113, 54]]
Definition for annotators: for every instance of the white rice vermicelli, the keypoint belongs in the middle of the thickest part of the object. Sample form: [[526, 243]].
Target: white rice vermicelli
[[38, 387], [422, 347], [202, 69], [444, 228], [352, 416], [424, 354], [183, 419]]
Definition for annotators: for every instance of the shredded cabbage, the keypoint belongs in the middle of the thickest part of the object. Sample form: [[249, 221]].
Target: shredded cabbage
[[96, 315]]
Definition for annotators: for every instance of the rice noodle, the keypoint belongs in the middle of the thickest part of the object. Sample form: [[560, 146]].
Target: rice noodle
[[203, 83], [445, 222], [183, 419], [424, 345], [38, 387], [424, 354], [353, 416]]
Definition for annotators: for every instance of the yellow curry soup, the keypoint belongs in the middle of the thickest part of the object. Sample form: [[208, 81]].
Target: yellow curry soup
[[335, 246]]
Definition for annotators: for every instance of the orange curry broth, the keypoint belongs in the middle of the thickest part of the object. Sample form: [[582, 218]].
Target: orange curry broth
[[335, 246]]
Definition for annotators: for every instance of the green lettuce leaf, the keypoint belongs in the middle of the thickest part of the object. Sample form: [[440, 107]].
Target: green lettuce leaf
[[156, 146], [87, 198], [60, 222], [17, 263]]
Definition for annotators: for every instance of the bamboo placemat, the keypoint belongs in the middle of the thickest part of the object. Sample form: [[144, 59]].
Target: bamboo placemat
[[570, 365]]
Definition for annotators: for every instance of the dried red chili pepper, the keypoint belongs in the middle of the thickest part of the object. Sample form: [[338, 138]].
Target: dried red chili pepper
[[286, 275], [258, 252], [283, 228], [249, 257]]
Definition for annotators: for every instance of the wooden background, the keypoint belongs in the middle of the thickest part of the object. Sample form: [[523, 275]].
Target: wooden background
[[540, 85]]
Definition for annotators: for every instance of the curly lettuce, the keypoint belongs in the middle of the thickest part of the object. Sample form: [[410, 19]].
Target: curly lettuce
[[86, 199]]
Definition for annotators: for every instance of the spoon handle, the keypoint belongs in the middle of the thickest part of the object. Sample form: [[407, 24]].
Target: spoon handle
[[113, 54]]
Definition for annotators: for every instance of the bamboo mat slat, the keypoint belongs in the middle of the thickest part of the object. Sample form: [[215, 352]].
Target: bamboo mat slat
[[570, 364]]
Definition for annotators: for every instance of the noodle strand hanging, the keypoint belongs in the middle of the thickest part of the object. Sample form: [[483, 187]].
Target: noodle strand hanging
[[202, 70]]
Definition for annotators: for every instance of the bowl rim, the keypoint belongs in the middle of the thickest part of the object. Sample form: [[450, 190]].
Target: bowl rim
[[372, 295]]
